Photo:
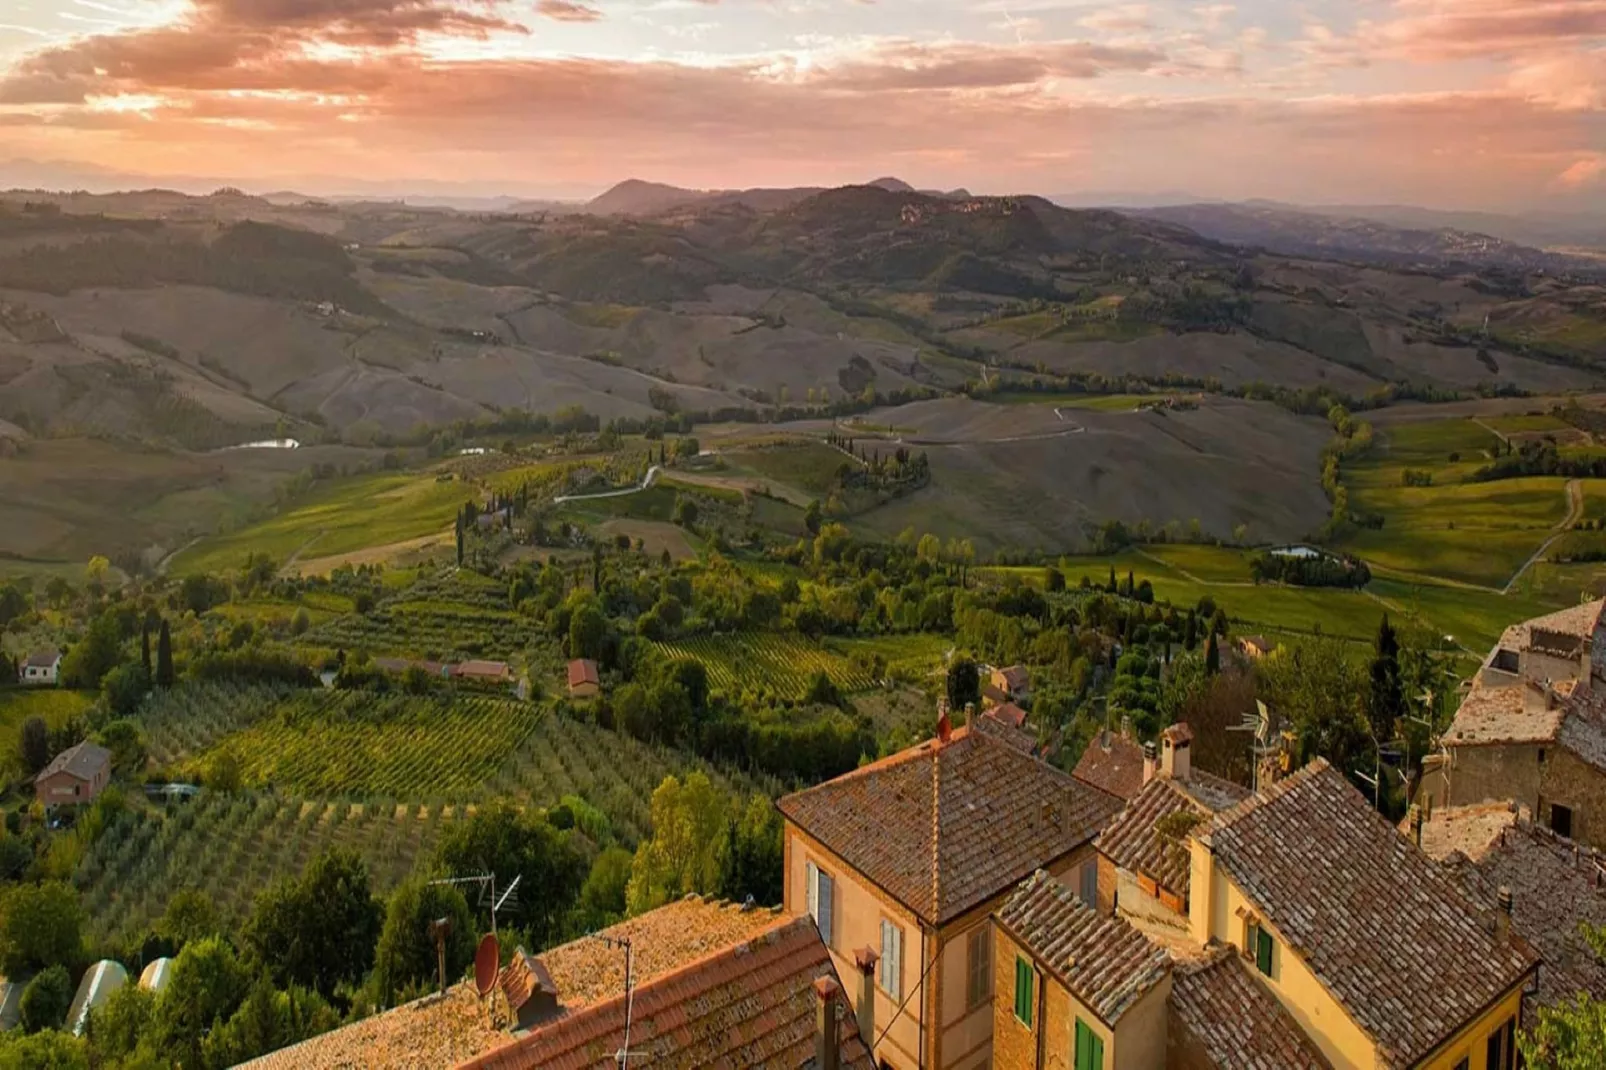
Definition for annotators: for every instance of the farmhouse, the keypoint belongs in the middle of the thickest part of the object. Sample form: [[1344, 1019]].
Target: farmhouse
[[714, 984], [900, 864], [1014, 681], [1532, 728], [584, 679], [75, 777], [41, 668], [484, 672]]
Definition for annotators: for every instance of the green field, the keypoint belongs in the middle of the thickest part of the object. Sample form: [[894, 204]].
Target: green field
[[1091, 402], [17, 704], [809, 466], [1478, 533], [343, 517], [1475, 618]]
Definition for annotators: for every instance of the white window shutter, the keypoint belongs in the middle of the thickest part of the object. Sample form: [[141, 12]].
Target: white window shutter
[[811, 890]]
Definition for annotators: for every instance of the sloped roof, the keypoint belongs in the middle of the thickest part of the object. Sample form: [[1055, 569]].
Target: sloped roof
[[1015, 677], [1556, 886], [42, 659], [1578, 622], [1133, 842], [1112, 763], [82, 761], [583, 671], [1387, 932], [943, 827], [439, 1031], [495, 669], [1235, 1020], [1575, 718], [752, 1004], [1103, 961]]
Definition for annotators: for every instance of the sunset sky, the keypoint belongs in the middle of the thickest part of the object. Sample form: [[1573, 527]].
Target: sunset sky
[[1457, 103]]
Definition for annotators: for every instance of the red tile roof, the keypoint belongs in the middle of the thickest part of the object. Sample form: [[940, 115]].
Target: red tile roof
[[1222, 1012], [1133, 842], [583, 671], [1103, 961], [943, 828], [1113, 764], [745, 1006], [1009, 714], [1388, 933]]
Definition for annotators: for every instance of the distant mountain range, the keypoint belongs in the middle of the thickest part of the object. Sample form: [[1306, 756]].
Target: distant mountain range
[[1408, 239], [635, 197]]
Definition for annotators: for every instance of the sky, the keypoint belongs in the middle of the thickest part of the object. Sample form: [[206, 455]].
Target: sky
[[1444, 103]]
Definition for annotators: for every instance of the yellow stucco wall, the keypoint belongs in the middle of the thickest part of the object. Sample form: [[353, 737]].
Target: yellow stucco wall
[[1220, 916]]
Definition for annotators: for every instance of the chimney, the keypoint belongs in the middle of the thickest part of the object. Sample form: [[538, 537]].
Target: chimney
[[945, 727], [865, 959], [1538, 696], [827, 1038], [1502, 916], [1176, 750], [1126, 726], [1151, 762], [1416, 824]]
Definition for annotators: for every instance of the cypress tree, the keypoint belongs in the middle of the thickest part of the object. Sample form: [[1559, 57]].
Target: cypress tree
[[164, 657], [1212, 656], [145, 649]]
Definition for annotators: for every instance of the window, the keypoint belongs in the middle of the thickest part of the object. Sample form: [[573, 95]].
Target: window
[[1501, 1052], [821, 900], [1089, 884], [1561, 819], [1263, 949], [1023, 991], [979, 966], [889, 971], [1465, 1063], [1089, 1048]]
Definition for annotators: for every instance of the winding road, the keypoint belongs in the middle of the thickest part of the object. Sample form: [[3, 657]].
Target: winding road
[[647, 481], [1575, 512]]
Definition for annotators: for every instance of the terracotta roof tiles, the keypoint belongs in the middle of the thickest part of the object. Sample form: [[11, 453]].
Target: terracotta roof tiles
[[945, 827], [1112, 763], [753, 1004], [1234, 1020], [1385, 930], [82, 761], [1106, 963]]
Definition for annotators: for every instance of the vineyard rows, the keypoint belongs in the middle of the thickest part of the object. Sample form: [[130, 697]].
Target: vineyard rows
[[353, 743], [231, 847], [186, 720], [613, 772]]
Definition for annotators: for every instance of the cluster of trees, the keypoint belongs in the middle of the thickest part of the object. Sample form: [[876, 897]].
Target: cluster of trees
[[1314, 570], [1350, 439], [1538, 458]]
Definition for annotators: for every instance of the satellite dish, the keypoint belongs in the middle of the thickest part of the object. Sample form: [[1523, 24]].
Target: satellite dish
[[486, 962]]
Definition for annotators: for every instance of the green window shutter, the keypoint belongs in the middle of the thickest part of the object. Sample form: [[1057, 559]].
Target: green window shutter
[[1023, 991], [1263, 946], [1089, 1048]]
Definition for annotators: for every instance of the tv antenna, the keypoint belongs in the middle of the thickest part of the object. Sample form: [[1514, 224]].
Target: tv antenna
[[487, 882], [1261, 747], [622, 1056]]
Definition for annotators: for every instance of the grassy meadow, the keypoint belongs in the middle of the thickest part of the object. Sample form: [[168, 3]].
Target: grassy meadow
[[347, 515]]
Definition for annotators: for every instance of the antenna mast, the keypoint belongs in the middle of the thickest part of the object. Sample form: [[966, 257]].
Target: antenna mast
[[486, 881], [622, 1056]]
